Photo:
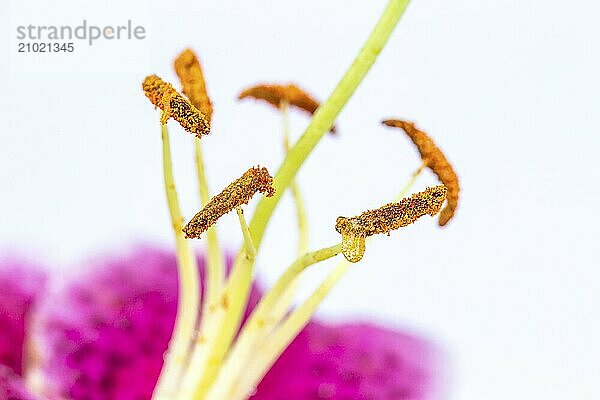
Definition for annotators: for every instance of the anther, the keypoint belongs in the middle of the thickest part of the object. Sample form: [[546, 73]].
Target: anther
[[435, 160], [239, 192], [387, 218], [277, 95], [174, 105], [188, 69]]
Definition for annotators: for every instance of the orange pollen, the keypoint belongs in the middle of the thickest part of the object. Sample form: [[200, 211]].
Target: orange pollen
[[387, 218], [172, 104], [435, 160], [239, 192], [188, 69], [278, 95]]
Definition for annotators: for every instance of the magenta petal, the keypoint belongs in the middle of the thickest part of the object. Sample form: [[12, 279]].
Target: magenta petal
[[105, 335], [20, 285], [12, 386], [354, 361], [119, 312]]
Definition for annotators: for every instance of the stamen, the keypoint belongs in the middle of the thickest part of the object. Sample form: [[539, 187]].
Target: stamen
[[387, 218], [278, 95], [174, 105], [188, 69], [435, 159], [189, 293], [215, 340], [239, 192], [260, 324], [289, 328]]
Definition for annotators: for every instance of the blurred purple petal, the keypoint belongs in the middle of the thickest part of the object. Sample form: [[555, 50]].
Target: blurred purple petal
[[12, 386], [104, 323], [104, 337], [354, 361], [20, 285]]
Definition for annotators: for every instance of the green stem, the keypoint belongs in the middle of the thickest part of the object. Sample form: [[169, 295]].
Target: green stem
[[276, 343], [219, 324], [325, 116], [248, 242], [303, 238], [215, 263], [189, 294], [409, 184], [261, 322]]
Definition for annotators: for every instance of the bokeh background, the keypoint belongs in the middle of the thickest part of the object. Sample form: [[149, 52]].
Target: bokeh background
[[509, 90]]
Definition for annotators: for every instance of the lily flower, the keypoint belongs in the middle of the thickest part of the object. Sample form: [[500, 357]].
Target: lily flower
[[156, 325]]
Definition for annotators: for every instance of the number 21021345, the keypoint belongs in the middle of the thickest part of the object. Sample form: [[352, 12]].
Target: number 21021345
[[36, 47]]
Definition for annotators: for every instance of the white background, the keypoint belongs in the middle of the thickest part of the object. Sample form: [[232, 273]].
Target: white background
[[508, 89]]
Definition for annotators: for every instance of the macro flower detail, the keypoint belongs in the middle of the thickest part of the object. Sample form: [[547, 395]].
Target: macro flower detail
[[434, 159], [283, 95], [188, 69], [211, 355], [387, 218], [150, 325], [174, 105], [253, 181]]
